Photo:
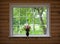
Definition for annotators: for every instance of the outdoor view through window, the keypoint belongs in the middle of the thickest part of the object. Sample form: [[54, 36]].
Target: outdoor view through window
[[35, 17]]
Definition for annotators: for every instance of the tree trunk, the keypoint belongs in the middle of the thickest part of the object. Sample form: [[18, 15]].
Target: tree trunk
[[42, 23]]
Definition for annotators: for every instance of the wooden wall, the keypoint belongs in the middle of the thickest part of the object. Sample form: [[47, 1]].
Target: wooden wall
[[54, 23]]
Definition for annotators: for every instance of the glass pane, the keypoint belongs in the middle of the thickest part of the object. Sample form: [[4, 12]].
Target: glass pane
[[16, 12], [44, 15], [29, 12], [29, 20], [15, 21], [37, 19], [22, 20], [22, 11], [16, 29]]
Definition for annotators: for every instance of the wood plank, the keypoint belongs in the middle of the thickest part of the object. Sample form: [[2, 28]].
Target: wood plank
[[4, 14], [3, 10]]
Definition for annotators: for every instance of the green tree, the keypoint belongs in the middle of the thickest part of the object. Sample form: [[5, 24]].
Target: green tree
[[40, 12]]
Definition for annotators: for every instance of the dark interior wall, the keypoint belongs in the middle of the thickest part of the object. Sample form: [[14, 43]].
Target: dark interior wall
[[54, 23]]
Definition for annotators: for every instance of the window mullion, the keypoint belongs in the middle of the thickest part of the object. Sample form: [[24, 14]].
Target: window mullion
[[26, 16], [33, 19], [19, 21]]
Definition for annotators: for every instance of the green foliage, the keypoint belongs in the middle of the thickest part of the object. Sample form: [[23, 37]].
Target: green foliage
[[31, 16]]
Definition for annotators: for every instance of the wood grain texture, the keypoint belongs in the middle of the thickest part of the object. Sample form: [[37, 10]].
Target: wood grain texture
[[54, 23]]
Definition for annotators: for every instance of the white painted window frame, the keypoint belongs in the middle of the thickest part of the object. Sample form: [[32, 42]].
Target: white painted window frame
[[29, 5]]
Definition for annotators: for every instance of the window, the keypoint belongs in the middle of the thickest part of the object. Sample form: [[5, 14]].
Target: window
[[36, 16]]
